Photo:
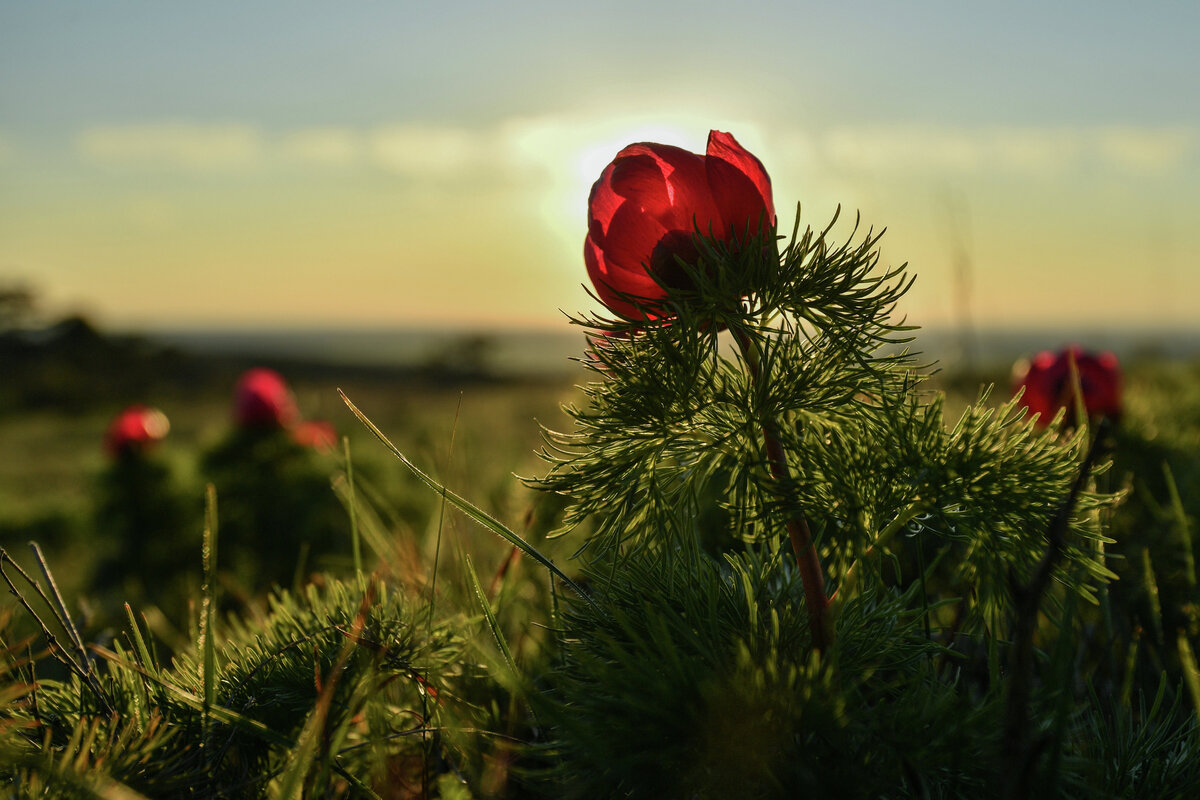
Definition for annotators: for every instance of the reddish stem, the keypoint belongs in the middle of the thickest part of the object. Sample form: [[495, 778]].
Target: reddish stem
[[813, 578], [811, 574]]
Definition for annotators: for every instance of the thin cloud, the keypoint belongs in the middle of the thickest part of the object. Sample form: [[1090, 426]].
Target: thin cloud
[[583, 143], [1147, 151], [330, 146], [906, 147], [173, 144], [570, 147], [428, 151], [1033, 150]]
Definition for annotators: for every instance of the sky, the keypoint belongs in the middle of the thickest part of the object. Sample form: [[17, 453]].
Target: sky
[[303, 164]]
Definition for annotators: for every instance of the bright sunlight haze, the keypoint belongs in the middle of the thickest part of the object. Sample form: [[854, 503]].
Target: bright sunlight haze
[[417, 164]]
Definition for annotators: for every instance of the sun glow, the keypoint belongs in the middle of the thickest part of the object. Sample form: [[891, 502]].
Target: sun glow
[[574, 149], [607, 135], [594, 157]]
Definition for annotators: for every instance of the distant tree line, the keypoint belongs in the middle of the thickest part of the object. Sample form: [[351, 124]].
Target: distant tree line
[[69, 364]]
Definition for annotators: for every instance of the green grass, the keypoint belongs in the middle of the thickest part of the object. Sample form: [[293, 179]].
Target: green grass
[[50, 461], [497, 683]]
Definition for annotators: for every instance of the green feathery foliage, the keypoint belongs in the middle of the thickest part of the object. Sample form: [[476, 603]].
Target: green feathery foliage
[[397, 703], [773, 394], [677, 420], [698, 680]]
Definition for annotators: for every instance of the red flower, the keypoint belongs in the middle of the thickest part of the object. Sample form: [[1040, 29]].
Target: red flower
[[135, 429], [649, 202], [262, 399], [317, 434], [1049, 386]]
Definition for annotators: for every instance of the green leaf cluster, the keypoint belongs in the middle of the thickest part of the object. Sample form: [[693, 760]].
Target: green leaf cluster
[[774, 390], [671, 441], [336, 692]]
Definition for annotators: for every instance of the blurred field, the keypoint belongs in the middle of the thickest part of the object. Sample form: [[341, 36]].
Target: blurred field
[[475, 430], [47, 458], [472, 432], [129, 531]]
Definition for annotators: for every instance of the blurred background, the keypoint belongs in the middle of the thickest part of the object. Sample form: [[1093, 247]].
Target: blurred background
[[298, 166], [390, 197]]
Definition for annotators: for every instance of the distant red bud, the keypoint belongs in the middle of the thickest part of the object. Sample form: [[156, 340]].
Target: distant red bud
[[135, 429], [317, 434], [262, 399], [1049, 386]]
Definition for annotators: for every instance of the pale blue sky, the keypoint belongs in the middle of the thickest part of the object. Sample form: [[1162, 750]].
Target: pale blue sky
[[391, 163]]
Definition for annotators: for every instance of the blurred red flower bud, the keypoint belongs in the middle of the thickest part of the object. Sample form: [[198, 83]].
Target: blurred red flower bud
[[317, 434], [262, 399], [135, 429], [648, 204], [1049, 386]]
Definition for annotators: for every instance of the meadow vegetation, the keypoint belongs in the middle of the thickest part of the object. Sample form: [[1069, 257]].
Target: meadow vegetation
[[1011, 608]]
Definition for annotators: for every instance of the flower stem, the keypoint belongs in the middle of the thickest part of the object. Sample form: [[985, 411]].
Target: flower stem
[[850, 578], [811, 575]]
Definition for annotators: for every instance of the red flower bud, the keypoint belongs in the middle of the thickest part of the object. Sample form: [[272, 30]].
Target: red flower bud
[[262, 399], [135, 429], [1049, 385], [648, 204], [317, 434]]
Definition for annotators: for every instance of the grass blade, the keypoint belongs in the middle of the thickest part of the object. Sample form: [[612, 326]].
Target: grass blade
[[355, 545], [1181, 521], [492, 622], [466, 506], [60, 608], [1191, 672], [208, 647], [291, 782], [139, 644]]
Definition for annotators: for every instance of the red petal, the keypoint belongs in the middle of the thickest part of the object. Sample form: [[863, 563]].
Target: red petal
[[602, 202], [725, 147], [740, 185], [631, 238], [639, 179], [608, 281], [690, 202]]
